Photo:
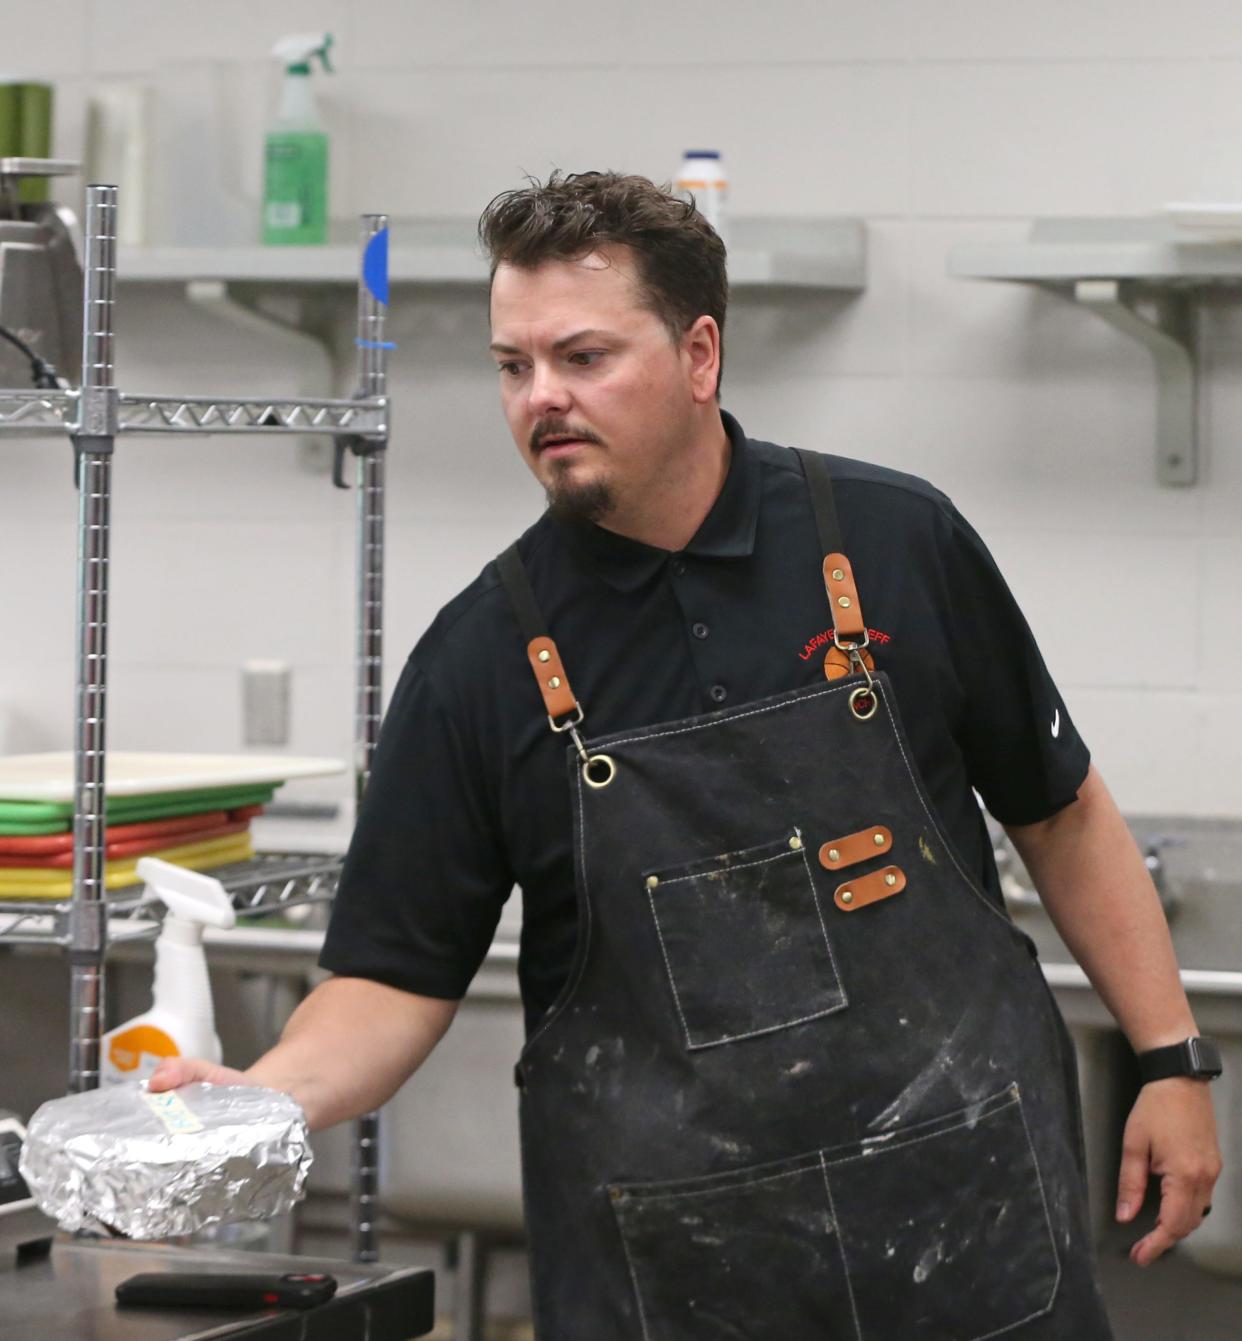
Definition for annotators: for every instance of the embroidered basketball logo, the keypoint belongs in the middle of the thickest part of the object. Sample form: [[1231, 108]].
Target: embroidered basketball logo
[[837, 663]]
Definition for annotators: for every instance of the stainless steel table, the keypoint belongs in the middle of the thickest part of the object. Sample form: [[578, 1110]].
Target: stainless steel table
[[68, 1296]]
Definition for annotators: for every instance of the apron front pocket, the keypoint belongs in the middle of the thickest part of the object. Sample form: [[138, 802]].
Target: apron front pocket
[[745, 1257], [944, 1224], [937, 1231], [744, 942]]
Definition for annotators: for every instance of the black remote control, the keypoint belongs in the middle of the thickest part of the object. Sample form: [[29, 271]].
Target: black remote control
[[205, 1289]]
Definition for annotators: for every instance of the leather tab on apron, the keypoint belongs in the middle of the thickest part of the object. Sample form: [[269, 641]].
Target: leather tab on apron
[[545, 661], [847, 617], [855, 847], [870, 888]]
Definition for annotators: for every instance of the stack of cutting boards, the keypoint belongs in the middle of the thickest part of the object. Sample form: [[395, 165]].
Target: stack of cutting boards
[[192, 809]]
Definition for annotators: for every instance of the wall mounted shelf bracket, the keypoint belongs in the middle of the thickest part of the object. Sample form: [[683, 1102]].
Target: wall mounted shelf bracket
[[1169, 335]]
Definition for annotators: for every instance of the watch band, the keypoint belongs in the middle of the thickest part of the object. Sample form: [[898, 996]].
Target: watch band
[[1198, 1058]]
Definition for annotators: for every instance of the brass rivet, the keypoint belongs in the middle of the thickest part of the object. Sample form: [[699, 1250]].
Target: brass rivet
[[838, 575], [796, 843], [615, 1193], [652, 881], [545, 655], [554, 682], [890, 879], [847, 896], [843, 602], [880, 840], [833, 854]]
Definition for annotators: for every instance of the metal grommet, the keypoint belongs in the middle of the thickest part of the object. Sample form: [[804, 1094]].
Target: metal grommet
[[554, 682], [833, 854], [796, 843], [847, 896], [604, 762], [890, 879], [869, 703], [652, 881], [880, 840], [838, 574], [844, 602], [545, 655]]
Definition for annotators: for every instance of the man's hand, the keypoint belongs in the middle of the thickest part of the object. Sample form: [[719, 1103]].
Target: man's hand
[[1172, 1132], [173, 1072]]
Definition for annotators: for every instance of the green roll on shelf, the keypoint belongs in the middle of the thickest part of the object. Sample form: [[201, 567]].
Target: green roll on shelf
[[35, 119], [10, 120]]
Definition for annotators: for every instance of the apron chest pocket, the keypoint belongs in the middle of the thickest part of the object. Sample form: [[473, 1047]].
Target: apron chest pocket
[[934, 1232], [744, 943]]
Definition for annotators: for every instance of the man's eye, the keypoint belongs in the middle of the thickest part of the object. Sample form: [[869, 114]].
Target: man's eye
[[509, 369], [586, 357]]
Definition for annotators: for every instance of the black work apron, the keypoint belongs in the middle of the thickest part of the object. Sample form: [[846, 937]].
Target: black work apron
[[806, 1081]]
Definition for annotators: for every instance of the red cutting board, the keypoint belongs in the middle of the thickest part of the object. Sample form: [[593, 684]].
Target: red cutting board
[[38, 851]]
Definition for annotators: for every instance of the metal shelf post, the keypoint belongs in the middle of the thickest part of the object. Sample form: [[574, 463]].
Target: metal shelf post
[[372, 384], [92, 444]]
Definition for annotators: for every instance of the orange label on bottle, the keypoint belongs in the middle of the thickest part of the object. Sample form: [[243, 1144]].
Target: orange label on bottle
[[126, 1049]]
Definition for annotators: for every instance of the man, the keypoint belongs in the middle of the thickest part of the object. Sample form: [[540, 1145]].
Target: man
[[790, 1072]]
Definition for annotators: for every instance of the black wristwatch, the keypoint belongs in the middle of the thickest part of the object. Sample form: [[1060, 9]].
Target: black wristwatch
[[1198, 1058]]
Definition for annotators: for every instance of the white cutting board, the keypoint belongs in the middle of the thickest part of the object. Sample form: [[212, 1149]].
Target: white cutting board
[[49, 777]]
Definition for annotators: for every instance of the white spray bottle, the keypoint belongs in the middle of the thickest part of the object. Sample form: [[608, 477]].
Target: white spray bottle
[[181, 1021]]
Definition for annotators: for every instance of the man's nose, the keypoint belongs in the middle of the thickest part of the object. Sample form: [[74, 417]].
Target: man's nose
[[548, 392]]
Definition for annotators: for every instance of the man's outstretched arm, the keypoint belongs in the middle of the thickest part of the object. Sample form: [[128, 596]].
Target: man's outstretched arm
[[346, 1050]]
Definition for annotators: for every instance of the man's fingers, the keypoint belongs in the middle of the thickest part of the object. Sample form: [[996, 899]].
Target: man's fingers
[[1151, 1246], [1182, 1207], [173, 1072], [1132, 1181]]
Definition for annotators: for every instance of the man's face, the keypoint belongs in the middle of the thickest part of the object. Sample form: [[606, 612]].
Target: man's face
[[596, 393]]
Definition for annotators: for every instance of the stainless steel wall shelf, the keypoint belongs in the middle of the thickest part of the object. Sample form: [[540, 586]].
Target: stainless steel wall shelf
[[94, 416], [1141, 275], [828, 254]]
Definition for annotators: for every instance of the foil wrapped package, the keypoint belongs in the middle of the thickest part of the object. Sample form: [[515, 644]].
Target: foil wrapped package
[[153, 1166]]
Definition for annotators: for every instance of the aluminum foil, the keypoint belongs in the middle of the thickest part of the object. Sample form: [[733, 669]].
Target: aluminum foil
[[153, 1166]]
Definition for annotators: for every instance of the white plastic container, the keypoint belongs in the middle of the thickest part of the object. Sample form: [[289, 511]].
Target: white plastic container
[[181, 1021], [702, 175]]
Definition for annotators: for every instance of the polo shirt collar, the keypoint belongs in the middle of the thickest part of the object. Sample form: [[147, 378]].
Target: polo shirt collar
[[727, 532]]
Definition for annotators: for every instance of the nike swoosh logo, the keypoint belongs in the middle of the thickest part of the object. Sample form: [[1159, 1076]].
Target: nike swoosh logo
[[1056, 724]]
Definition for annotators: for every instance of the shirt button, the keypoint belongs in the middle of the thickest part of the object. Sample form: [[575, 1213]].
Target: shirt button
[[699, 630], [718, 693], [679, 567]]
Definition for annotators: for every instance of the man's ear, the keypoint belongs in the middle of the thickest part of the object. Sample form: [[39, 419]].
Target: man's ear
[[700, 347]]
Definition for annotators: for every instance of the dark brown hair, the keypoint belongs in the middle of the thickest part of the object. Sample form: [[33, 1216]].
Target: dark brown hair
[[680, 257]]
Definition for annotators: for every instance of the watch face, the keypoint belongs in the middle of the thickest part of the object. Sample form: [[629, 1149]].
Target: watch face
[[1205, 1056]]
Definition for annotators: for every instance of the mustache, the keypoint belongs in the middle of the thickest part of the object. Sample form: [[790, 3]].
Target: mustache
[[558, 428]]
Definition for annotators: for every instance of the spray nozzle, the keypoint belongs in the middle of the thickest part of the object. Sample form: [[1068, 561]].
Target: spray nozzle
[[297, 50], [187, 894]]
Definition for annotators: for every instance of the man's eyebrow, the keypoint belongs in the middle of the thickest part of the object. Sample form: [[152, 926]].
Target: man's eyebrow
[[497, 348]]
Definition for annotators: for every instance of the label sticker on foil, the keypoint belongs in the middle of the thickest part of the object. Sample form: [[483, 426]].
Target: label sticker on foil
[[172, 1111]]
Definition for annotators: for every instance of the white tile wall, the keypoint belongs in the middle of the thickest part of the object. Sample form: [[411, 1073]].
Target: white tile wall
[[940, 123]]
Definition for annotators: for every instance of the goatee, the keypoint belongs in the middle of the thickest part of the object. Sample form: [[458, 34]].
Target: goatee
[[587, 502]]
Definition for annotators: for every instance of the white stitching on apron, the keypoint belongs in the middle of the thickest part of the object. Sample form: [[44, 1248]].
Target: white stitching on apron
[[845, 1266]]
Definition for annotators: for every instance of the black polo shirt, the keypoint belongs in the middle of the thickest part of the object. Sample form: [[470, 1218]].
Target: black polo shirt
[[469, 794]]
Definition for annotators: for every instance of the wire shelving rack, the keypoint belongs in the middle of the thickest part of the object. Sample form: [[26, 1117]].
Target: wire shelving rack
[[94, 416]]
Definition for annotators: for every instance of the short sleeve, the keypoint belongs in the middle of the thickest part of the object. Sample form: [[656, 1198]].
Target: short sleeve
[[425, 876], [1023, 753]]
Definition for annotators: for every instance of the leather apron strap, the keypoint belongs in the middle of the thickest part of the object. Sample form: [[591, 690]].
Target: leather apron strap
[[564, 711]]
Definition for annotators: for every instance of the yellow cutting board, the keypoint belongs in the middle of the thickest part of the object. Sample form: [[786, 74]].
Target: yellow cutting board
[[42, 884]]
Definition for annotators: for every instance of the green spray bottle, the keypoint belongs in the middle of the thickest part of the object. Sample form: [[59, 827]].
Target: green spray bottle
[[295, 181]]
